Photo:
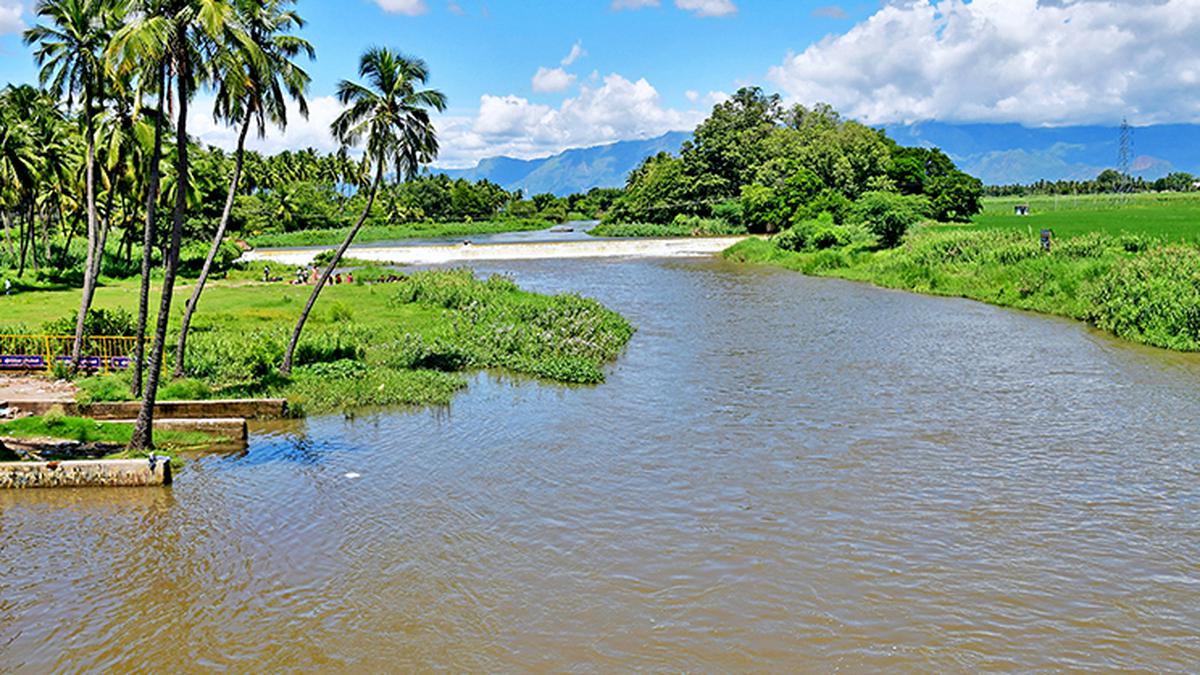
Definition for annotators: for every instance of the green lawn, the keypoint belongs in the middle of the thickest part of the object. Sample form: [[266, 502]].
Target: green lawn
[[1171, 217], [91, 431], [375, 233]]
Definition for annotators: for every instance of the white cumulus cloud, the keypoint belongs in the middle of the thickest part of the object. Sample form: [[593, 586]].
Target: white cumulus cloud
[[552, 80], [615, 109], [301, 133], [10, 17], [708, 7], [407, 7], [1051, 62]]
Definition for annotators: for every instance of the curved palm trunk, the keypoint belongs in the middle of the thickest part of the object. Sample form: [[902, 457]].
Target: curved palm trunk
[[286, 368], [181, 347], [105, 228], [139, 350], [143, 431], [89, 280]]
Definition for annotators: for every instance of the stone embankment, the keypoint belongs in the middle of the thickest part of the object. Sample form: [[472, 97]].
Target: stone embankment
[[88, 473]]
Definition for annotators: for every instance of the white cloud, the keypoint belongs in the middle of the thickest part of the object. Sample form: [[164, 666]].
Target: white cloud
[[829, 12], [699, 7], [692, 95], [301, 133], [708, 7], [407, 7], [547, 80], [577, 52], [617, 109], [10, 17], [1038, 63], [633, 4]]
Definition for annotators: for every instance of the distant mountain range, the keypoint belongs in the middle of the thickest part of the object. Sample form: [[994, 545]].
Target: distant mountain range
[[1003, 154], [572, 171], [999, 154]]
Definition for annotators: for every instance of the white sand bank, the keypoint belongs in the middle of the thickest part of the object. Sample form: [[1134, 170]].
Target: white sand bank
[[434, 255]]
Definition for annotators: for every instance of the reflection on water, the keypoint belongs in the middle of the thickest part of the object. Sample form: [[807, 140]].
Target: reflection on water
[[781, 471]]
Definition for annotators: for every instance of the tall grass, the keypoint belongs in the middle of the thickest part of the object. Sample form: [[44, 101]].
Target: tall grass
[[682, 226]]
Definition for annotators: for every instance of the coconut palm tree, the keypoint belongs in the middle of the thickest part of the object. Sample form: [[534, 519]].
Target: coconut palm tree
[[70, 48], [391, 114], [253, 90], [20, 170], [186, 36]]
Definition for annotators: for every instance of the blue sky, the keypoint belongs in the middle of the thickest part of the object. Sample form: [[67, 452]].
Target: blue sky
[[532, 77]]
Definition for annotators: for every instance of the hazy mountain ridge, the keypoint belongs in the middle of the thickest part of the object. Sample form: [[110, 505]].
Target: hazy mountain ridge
[[999, 154], [576, 170]]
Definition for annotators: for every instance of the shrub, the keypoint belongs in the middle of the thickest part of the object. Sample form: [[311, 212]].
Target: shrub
[[104, 322], [729, 211], [1152, 298], [103, 389], [340, 312], [192, 256], [186, 390], [888, 215]]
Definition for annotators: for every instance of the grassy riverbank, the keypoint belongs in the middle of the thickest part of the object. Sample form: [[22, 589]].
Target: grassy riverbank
[[407, 342], [683, 226], [1138, 287], [86, 431], [375, 233]]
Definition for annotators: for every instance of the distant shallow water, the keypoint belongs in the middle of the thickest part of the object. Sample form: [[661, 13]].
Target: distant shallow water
[[781, 473]]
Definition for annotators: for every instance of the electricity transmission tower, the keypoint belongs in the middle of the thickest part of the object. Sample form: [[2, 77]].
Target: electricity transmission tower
[[1125, 161]]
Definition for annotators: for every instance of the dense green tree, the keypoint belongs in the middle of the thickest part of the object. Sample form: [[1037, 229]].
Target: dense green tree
[[888, 215], [727, 148], [955, 197]]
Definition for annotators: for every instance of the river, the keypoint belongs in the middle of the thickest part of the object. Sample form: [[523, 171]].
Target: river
[[782, 473]]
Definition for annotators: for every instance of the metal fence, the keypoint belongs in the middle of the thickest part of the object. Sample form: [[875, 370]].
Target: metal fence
[[41, 352]]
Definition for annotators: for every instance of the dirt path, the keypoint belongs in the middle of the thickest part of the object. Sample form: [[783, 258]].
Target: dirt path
[[27, 388]]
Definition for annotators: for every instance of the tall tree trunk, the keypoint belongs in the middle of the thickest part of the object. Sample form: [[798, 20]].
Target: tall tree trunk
[[23, 237], [33, 243], [143, 431], [105, 227], [181, 347], [46, 233], [148, 234], [89, 281], [66, 252], [7, 218], [286, 368]]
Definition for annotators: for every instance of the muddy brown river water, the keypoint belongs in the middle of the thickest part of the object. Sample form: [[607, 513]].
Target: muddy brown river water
[[782, 473]]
